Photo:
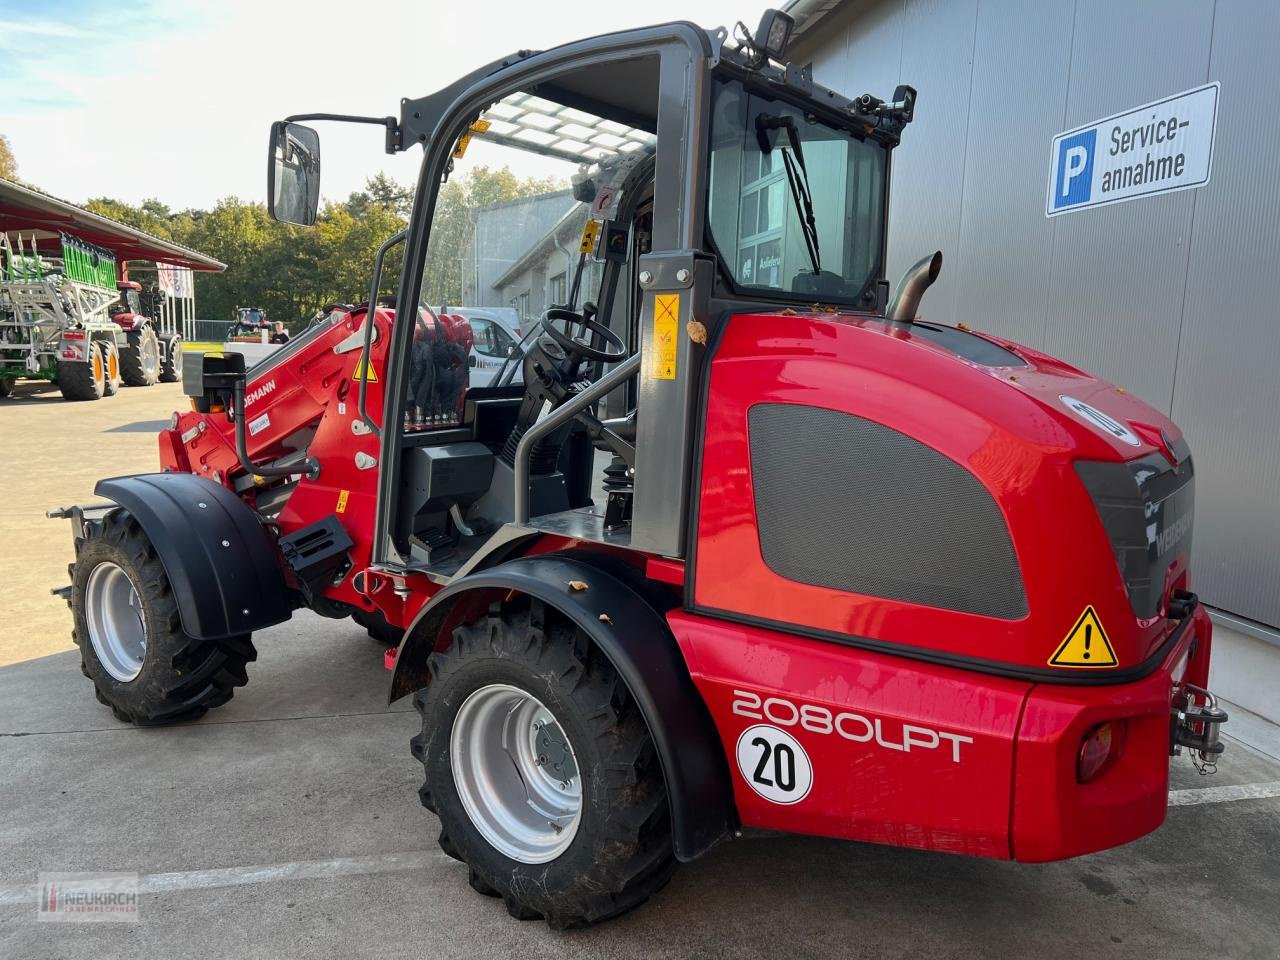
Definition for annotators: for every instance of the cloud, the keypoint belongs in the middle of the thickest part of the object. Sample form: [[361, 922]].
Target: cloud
[[174, 101]]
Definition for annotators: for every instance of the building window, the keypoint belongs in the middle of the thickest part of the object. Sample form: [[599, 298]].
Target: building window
[[523, 306], [559, 290]]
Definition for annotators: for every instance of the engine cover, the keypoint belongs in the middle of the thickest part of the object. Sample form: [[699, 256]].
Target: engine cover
[[930, 492]]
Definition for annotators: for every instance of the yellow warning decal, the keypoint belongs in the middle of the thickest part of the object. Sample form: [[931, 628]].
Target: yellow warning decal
[[589, 233], [464, 141], [666, 326], [364, 370], [342, 501], [1086, 644]]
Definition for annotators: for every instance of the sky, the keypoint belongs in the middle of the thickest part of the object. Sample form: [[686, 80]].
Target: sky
[[133, 99]]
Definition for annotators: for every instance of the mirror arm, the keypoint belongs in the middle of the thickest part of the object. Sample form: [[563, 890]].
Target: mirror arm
[[394, 140], [365, 359]]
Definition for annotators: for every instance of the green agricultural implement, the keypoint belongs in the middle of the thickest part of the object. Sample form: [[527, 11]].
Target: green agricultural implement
[[69, 320]]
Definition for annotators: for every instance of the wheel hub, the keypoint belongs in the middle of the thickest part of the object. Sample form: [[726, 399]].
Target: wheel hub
[[516, 773], [113, 614]]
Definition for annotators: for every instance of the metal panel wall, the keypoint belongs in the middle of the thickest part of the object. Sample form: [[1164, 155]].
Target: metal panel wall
[[1227, 393], [1115, 293], [1170, 296]]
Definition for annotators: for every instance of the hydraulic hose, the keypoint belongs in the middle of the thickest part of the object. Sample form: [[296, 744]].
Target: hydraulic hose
[[307, 466]]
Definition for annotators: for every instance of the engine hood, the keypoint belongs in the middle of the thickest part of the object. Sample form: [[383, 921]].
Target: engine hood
[[976, 450], [1103, 420]]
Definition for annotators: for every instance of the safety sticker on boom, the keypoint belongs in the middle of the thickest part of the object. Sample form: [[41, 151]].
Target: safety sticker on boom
[[364, 370], [1086, 644]]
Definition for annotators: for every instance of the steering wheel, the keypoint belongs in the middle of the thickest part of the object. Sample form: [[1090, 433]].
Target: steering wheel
[[582, 347]]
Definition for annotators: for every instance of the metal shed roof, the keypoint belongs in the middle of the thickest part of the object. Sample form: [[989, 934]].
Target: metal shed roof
[[27, 210]]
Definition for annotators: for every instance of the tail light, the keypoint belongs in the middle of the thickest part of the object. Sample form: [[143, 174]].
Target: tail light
[[1098, 750]]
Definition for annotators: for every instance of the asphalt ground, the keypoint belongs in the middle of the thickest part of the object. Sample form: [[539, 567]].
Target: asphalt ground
[[286, 823]]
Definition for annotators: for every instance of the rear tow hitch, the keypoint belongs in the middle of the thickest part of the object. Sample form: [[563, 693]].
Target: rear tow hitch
[[1196, 721]]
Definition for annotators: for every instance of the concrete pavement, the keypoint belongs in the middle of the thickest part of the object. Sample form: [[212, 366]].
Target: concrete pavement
[[54, 453], [305, 777]]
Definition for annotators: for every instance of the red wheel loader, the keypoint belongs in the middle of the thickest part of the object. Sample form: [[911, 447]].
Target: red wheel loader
[[752, 544]]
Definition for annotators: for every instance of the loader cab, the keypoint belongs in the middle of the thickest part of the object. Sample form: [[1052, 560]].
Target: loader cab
[[624, 195], [659, 181]]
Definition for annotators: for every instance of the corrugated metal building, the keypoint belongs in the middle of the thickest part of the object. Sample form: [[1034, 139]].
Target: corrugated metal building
[[504, 234], [1171, 296]]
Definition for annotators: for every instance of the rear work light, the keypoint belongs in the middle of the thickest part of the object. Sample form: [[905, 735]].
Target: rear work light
[[1098, 749]]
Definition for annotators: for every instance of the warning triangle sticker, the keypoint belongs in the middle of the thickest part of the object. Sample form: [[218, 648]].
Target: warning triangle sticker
[[1086, 644], [366, 371]]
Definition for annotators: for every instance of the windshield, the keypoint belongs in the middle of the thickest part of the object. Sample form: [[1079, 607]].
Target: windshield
[[795, 205]]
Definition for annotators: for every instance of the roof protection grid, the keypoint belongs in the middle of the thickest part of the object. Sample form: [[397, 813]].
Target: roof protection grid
[[528, 122]]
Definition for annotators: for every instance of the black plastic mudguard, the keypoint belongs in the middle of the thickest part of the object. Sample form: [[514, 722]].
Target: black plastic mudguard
[[632, 632], [221, 562]]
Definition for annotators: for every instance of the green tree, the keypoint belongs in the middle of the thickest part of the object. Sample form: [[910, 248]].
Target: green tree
[[152, 216], [291, 272], [8, 164]]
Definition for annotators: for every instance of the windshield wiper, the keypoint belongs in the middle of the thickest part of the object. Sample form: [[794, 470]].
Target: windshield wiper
[[797, 178]]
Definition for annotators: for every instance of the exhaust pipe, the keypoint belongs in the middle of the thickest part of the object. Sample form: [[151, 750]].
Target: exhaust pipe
[[911, 288]]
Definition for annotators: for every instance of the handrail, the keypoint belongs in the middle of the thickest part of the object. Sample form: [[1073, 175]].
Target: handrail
[[366, 361], [556, 419]]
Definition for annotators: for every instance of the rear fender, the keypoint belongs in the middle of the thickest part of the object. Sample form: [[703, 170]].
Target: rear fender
[[225, 570], [626, 621]]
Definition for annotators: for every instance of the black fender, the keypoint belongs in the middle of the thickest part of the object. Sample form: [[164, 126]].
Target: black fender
[[221, 590], [618, 612]]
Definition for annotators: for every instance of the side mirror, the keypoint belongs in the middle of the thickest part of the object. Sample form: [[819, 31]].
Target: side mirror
[[293, 173]]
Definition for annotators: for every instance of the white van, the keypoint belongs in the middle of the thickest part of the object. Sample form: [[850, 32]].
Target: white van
[[495, 331]]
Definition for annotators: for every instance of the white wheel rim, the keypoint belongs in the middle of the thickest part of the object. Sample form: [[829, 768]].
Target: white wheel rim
[[516, 773], [150, 353], [113, 614]]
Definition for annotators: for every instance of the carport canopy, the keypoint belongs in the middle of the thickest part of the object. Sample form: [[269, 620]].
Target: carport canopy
[[32, 213]]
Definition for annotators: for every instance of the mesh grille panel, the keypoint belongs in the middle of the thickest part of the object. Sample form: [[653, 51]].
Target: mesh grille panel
[[846, 503]]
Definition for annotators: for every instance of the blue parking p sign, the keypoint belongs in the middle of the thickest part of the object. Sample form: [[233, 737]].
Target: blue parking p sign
[[1157, 148], [1074, 180]]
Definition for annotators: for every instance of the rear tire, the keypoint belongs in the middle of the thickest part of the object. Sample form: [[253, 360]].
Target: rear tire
[[132, 646], [81, 380], [525, 662], [140, 360], [110, 367], [171, 361]]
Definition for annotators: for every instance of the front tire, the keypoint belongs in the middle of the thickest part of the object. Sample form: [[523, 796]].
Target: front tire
[[140, 360], [378, 627], [542, 771], [132, 646]]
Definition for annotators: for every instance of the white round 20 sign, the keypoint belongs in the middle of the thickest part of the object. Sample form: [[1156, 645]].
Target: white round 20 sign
[[774, 764]]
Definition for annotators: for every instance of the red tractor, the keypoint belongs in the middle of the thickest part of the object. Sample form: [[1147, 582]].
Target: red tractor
[[833, 569], [150, 355]]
